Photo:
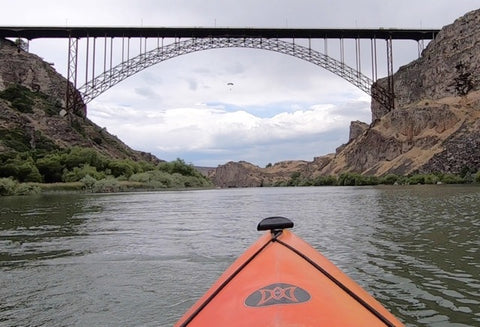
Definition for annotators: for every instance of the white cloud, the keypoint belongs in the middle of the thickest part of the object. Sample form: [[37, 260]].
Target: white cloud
[[213, 130]]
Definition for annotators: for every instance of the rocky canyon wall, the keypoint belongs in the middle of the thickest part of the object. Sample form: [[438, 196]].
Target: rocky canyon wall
[[435, 126]]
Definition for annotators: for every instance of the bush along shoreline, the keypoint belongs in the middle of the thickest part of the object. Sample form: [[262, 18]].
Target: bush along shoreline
[[84, 169], [355, 179], [161, 179]]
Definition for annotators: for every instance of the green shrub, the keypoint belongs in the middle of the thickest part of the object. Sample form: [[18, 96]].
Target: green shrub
[[73, 165], [367, 180], [435, 179], [145, 177], [295, 179], [451, 179], [27, 189], [9, 169], [280, 184], [78, 173], [20, 97], [182, 181], [20, 168], [402, 180], [192, 181], [477, 177], [349, 179], [162, 179], [305, 182], [78, 126], [78, 156], [431, 179], [51, 167], [23, 106], [52, 107], [355, 179], [178, 166], [28, 172], [88, 182], [44, 144], [122, 168], [153, 176], [416, 179], [7, 186], [107, 185], [389, 179], [325, 181], [16, 139], [144, 166]]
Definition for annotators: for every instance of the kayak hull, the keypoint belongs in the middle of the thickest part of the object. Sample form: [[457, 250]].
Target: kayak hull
[[282, 281]]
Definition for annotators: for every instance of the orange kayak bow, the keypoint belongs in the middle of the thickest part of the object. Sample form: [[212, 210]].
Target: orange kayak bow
[[282, 281]]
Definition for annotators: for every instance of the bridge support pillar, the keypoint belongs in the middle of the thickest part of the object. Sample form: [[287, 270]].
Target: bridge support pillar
[[70, 98], [390, 87], [73, 98]]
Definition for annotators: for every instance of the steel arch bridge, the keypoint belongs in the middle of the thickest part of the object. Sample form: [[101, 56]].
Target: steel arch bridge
[[203, 38], [101, 83]]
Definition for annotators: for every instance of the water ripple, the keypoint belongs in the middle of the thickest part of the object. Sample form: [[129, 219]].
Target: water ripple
[[144, 258]]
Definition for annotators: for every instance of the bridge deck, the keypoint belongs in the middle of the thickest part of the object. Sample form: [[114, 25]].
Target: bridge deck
[[202, 32]]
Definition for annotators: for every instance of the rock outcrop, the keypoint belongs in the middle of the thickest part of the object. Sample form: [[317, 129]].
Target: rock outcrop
[[435, 126], [449, 66], [29, 70], [405, 141], [40, 121], [357, 128], [244, 174]]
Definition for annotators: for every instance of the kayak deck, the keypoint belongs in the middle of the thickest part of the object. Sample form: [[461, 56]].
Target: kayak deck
[[282, 281]]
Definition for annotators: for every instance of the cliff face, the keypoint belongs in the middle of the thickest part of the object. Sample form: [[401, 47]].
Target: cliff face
[[32, 110], [435, 126], [423, 137], [27, 69], [448, 66], [244, 174]]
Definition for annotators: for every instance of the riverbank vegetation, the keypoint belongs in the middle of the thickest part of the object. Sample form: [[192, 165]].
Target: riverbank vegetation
[[32, 162], [85, 169], [354, 179]]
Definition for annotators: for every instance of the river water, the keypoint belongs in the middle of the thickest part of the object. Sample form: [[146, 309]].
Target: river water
[[142, 259]]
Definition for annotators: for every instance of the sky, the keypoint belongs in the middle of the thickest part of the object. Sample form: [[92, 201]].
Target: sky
[[221, 105]]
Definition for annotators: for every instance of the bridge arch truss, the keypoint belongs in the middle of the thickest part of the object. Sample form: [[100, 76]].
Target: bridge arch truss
[[114, 75], [204, 38]]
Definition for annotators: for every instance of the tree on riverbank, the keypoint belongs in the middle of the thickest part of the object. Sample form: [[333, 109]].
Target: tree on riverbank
[[78, 165]]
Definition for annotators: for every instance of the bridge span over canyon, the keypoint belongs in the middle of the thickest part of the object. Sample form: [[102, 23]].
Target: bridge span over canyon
[[137, 48]]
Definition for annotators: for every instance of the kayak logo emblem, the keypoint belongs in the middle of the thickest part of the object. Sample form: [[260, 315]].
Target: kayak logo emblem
[[277, 294]]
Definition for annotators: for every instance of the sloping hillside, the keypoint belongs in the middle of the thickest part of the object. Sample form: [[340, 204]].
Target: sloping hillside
[[32, 115]]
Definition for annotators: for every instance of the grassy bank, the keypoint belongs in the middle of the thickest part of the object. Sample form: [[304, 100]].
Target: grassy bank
[[10, 187]]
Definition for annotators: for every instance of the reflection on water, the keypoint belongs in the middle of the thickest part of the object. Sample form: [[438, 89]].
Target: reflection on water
[[432, 239], [144, 258], [34, 228]]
